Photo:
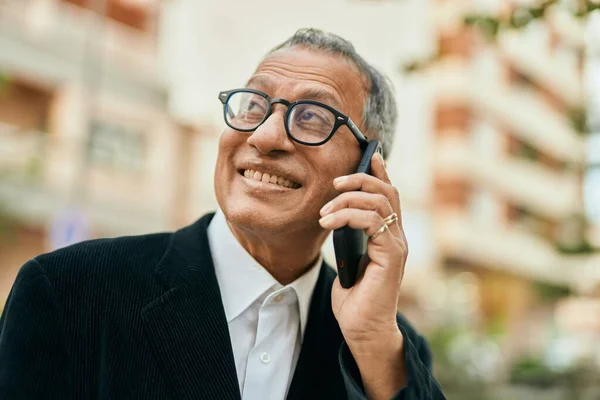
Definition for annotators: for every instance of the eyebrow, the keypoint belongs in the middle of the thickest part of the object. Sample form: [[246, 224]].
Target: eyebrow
[[261, 82], [321, 95], [310, 93]]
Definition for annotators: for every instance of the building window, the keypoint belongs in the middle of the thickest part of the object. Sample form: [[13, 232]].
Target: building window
[[126, 12], [116, 146], [591, 185]]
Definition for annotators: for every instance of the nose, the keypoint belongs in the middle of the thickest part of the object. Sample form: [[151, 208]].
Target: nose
[[271, 136]]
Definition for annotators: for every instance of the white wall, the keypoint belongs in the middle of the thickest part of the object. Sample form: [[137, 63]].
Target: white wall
[[210, 46]]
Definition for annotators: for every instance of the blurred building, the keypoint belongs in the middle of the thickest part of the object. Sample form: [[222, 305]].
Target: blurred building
[[87, 147], [498, 175], [509, 165], [592, 178]]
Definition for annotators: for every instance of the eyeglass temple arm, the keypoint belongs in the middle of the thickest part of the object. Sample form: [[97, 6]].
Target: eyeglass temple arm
[[362, 139]]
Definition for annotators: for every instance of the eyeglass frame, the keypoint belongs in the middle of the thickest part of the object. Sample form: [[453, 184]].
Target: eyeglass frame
[[340, 118]]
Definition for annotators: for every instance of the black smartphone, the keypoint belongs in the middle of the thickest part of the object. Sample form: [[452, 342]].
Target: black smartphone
[[350, 245]]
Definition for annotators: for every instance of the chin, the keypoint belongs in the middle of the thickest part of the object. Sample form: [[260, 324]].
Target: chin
[[254, 215], [251, 213]]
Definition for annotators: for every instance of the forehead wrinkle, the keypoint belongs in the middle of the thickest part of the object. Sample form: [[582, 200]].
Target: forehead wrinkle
[[307, 72], [261, 81], [337, 95], [302, 90]]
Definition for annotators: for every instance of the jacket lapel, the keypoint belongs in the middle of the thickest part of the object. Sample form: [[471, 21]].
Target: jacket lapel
[[187, 325], [317, 373]]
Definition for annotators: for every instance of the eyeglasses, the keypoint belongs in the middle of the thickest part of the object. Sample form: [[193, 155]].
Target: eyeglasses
[[307, 122]]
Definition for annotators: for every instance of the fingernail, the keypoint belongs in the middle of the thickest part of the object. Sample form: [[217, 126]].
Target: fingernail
[[340, 179], [326, 208], [325, 219]]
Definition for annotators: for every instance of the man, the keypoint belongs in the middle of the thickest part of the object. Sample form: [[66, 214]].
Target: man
[[240, 304]]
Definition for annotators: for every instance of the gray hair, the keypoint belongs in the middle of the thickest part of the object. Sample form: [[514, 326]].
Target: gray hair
[[379, 114]]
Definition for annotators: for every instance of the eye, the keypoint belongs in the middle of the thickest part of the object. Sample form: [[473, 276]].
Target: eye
[[307, 116], [251, 105], [310, 114]]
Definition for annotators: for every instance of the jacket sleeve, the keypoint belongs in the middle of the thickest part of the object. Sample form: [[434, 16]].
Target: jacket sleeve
[[33, 351], [420, 385]]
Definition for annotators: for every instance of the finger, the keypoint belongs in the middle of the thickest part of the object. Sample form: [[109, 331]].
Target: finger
[[361, 181], [363, 201], [370, 184], [367, 220], [378, 168]]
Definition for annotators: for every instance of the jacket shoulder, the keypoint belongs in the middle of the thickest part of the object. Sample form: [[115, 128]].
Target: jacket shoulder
[[103, 260]]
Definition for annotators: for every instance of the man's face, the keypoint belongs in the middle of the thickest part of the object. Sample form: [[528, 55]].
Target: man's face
[[248, 201]]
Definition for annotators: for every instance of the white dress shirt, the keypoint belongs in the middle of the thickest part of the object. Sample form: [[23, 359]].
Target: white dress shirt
[[266, 319]]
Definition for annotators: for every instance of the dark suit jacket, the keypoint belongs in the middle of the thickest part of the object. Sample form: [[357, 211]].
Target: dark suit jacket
[[142, 318]]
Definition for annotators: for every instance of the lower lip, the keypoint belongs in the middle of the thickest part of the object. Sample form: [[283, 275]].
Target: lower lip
[[265, 185]]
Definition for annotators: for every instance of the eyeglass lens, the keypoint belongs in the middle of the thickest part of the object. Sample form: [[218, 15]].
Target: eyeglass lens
[[306, 122]]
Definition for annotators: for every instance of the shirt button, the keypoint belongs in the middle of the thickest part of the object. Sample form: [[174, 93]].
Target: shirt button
[[265, 357], [279, 298]]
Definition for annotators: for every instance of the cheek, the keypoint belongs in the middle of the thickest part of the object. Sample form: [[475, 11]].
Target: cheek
[[222, 156], [331, 164], [231, 139], [228, 143], [346, 158]]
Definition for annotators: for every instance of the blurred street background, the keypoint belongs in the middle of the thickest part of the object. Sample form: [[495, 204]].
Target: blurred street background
[[109, 124]]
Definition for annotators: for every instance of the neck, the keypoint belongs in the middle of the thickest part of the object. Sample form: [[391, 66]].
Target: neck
[[285, 256]]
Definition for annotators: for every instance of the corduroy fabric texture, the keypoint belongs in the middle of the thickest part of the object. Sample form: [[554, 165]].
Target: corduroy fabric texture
[[141, 317]]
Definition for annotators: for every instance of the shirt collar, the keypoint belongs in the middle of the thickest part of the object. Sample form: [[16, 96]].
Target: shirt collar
[[242, 280], [304, 287]]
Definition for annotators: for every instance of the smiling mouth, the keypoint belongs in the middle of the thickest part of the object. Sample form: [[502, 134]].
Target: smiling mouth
[[268, 178]]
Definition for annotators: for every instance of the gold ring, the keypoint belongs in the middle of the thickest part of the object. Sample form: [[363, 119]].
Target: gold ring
[[391, 219], [380, 232], [386, 223]]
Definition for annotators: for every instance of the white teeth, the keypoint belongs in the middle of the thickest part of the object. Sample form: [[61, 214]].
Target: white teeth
[[274, 179]]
